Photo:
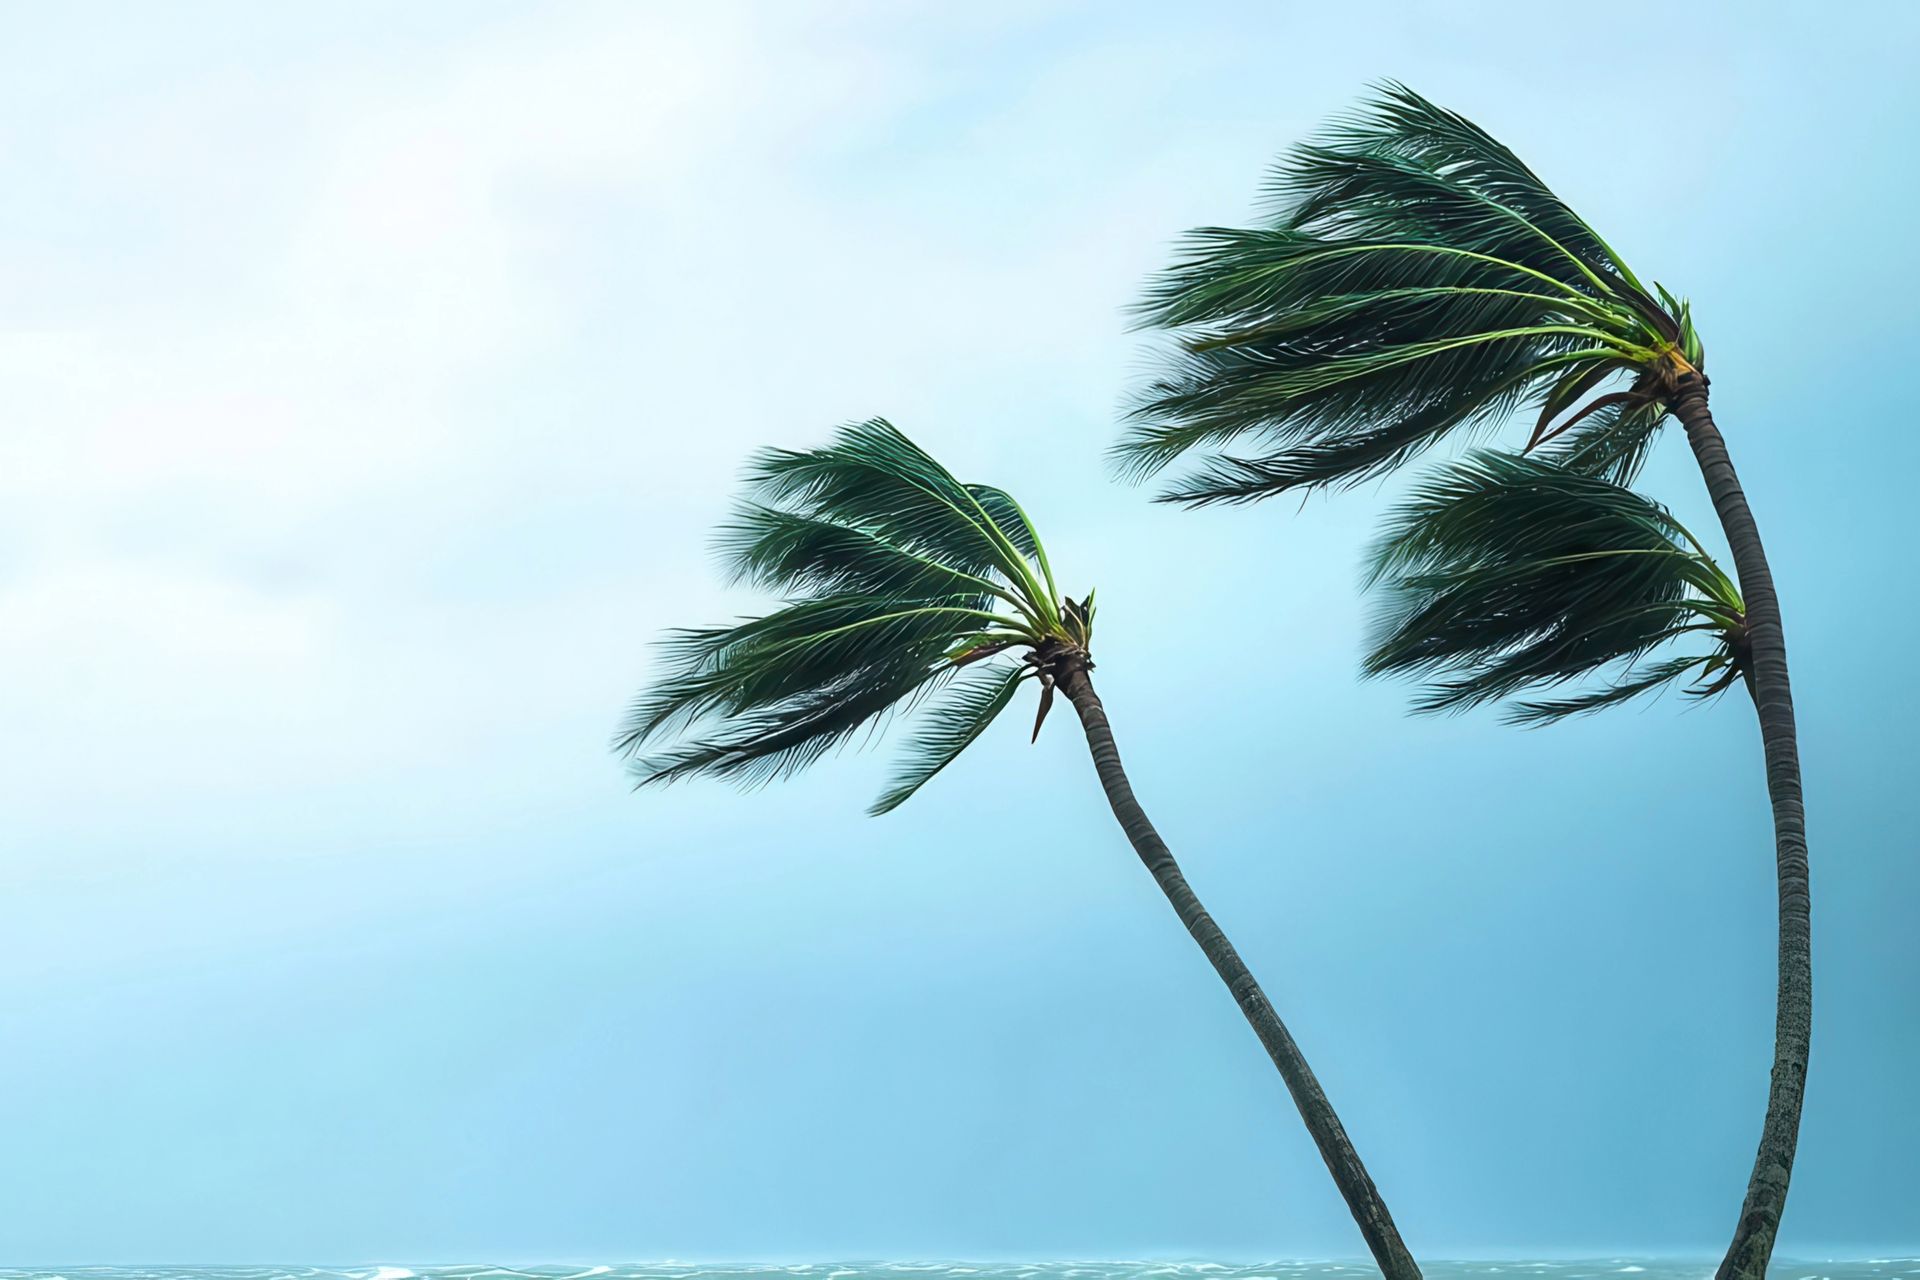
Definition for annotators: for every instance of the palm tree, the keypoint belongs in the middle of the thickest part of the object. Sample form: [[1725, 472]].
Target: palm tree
[[1413, 279], [904, 588]]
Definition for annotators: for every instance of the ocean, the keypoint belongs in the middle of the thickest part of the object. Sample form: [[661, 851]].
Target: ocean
[[1625, 1268]]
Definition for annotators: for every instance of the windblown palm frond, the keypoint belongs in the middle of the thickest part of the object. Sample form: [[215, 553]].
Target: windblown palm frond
[[1414, 278], [1504, 574], [895, 576], [1611, 443]]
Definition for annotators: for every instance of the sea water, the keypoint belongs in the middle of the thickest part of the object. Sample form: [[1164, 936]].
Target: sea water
[[1575, 1269]]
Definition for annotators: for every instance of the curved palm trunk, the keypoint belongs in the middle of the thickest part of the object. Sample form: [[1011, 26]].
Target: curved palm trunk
[[1376, 1224], [1753, 1239]]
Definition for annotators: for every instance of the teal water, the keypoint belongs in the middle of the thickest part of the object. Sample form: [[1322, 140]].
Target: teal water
[[1584, 1269]]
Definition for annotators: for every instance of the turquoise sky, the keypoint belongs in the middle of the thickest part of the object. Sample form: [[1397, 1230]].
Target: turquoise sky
[[371, 376]]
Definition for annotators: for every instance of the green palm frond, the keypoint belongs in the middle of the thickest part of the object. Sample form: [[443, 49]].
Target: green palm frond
[[1645, 677], [1504, 573], [951, 724], [874, 478], [767, 547], [1401, 126], [894, 577], [1414, 279], [1613, 442]]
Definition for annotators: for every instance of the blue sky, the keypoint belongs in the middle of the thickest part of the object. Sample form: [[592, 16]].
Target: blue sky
[[371, 380]]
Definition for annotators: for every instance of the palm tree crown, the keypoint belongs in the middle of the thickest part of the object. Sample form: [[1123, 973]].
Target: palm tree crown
[[894, 576], [1504, 573], [1414, 277]]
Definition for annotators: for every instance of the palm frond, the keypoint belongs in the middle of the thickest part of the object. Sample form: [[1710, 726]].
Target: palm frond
[[895, 576], [1613, 443], [797, 648], [1385, 158], [1414, 279], [951, 724], [872, 477], [1637, 679], [1349, 458], [1504, 573], [781, 551]]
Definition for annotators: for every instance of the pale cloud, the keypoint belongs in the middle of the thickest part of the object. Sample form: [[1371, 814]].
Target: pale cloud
[[225, 505], [394, 430]]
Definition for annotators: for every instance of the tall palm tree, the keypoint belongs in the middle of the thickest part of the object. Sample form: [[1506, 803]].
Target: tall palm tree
[[1414, 279], [904, 588]]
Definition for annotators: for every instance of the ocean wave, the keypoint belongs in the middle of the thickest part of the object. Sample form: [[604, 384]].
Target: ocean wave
[[1878, 1268]]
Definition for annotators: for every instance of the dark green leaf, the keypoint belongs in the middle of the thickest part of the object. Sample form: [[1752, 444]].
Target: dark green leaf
[[952, 723], [1505, 573]]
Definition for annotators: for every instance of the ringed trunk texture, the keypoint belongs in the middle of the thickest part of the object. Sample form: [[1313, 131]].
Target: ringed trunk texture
[[1753, 1238], [1362, 1198]]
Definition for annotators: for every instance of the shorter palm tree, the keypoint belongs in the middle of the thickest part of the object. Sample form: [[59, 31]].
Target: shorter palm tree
[[907, 589], [1505, 573]]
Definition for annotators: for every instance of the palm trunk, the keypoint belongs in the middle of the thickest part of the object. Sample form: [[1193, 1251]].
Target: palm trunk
[[1376, 1224], [1753, 1239]]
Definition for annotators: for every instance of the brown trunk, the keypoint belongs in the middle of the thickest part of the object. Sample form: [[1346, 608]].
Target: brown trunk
[[1375, 1223], [1753, 1238]]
